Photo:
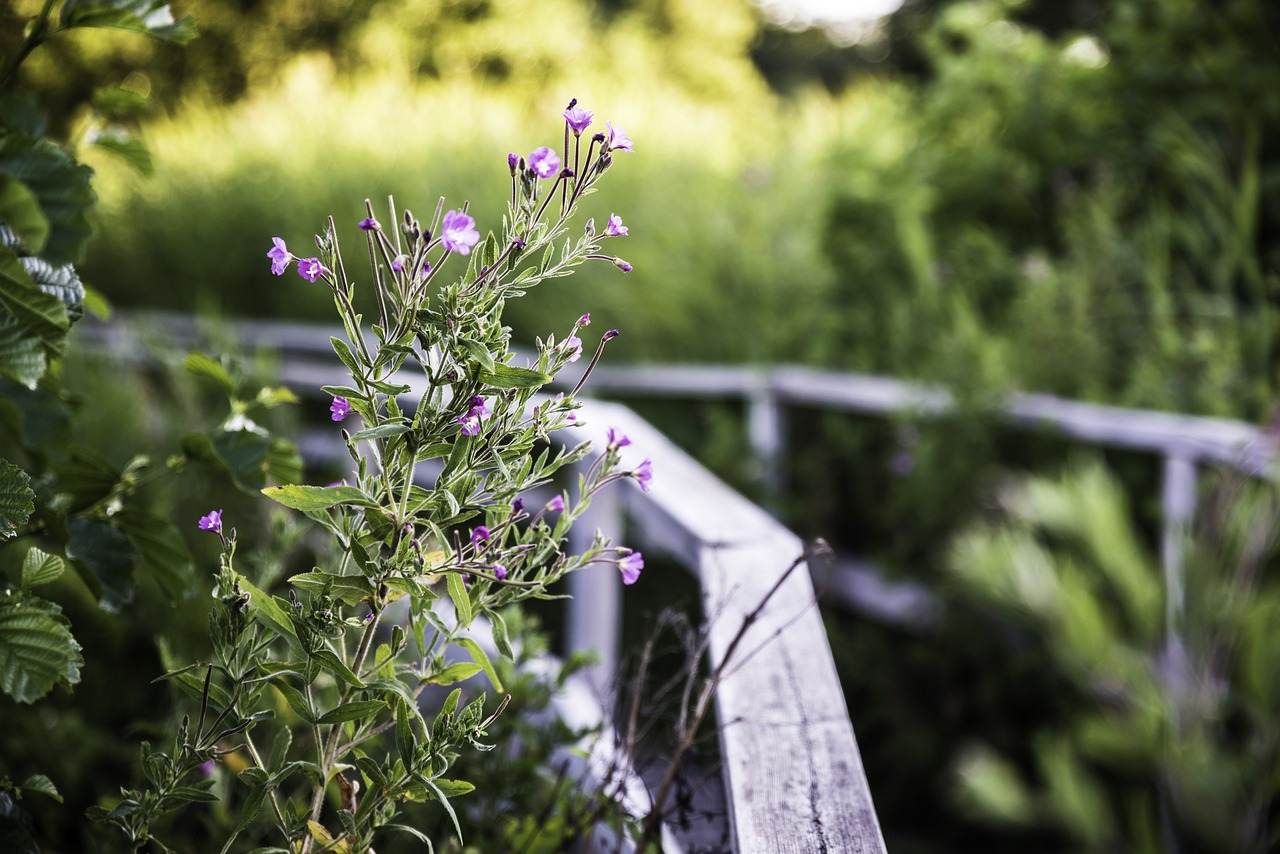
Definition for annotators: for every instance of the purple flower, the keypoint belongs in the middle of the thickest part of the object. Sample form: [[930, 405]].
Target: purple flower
[[470, 424], [617, 440], [585, 320], [499, 571], [212, 522], [426, 268], [631, 564], [544, 162], [340, 408], [369, 224], [208, 768], [479, 535], [615, 227], [279, 255], [556, 504], [610, 335], [309, 268], [458, 233], [574, 345], [644, 474], [517, 505], [513, 160], [618, 139], [622, 265], [578, 119], [397, 263], [479, 408]]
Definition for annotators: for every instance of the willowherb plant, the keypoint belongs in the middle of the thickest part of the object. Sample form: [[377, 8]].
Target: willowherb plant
[[454, 550]]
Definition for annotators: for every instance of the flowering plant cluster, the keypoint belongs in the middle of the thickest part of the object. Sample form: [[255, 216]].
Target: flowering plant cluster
[[433, 387]]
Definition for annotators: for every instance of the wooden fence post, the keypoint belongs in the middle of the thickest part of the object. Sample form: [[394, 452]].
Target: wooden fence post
[[765, 433], [1178, 500], [594, 614]]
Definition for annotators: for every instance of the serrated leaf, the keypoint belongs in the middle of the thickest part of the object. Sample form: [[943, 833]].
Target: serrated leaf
[[117, 102], [42, 784], [20, 210], [202, 365], [352, 711], [22, 358], [37, 650], [42, 315], [60, 184], [146, 17], [479, 657], [17, 500], [126, 146], [309, 498], [40, 567], [461, 599], [509, 376], [164, 552], [108, 556]]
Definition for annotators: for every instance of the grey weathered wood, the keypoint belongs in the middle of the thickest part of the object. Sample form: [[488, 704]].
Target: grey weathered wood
[[794, 777], [1178, 499], [594, 613]]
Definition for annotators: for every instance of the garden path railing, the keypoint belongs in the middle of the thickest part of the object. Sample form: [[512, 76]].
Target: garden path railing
[[793, 774]]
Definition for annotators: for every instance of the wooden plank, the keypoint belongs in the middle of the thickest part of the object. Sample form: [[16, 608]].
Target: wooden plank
[[793, 772]]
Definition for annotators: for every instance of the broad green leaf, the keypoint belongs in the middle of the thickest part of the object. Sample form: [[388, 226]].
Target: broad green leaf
[[117, 102], [500, 638], [62, 187], [404, 733], [296, 700], [205, 366], [17, 500], [509, 376], [284, 463], [108, 556], [352, 711], [127, 146], [351, 589], [96, 303], [42, 784], [461, 599], [479, 657], [43, 315], [270, 398], [448, 807], [40, 567], [164, 552], [147, 17], [244, 453], [37, 650], [307, 498], [84, 479], [453, 788], [20, 210], [343, 349], [21, 113], [22, 358]]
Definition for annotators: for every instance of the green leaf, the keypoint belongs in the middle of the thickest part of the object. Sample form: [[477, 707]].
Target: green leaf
[[146, 17], [40, 567], [37, 650], [267, 611], [42, 315], [500, 637], [308, 498], [351, 589], [85, 478], [453, 788], [461, 599], [96, 304], [20, 210], [508, 376], [62, 187], [164, 552], [127, 146], [205, 366], [17, 500], [284, 463], [42, 784], [352, 711], [480, 353], [270, 398], [117, 102], [296, 701], [382, 431], [404, 733], [335, 666], [348, 358], [107, 555], [22, 358], [412, 831], [244, 454], [479, 657], [444, 802], [459, 672]]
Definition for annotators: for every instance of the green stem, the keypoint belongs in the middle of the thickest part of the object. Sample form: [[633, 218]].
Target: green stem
[[38, 34]]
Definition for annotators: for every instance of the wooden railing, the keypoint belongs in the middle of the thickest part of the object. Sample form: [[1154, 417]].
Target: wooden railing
[[793, 774]]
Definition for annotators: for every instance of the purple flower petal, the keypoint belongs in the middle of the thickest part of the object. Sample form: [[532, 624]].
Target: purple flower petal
[[578, 119], [556, 504], [340, 408], [458, 232], [615, 227], [618, 139], [310, 268], [279, 255], [499, 571], [630, 565], [544, 162], [212, 522], [479, 535], [574, 345], [617, 439], [369, 224], [644, 474]]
